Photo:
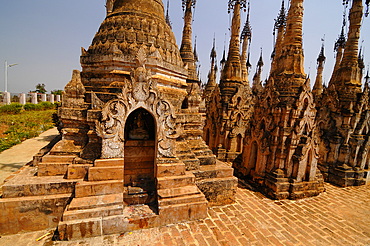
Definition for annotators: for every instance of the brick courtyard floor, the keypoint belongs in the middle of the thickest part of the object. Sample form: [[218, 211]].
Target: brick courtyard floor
[[340, 216]]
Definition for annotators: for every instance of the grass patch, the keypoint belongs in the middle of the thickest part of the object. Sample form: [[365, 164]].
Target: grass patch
[[15, 128]]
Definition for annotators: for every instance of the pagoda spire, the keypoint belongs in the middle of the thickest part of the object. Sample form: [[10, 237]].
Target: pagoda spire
[[246, 37], [168, 21], [293, 41], [232, 69], [257, 82], [211, 83], [186, 50], [350, 56], [318, 88], [347, 78], [280, 24]]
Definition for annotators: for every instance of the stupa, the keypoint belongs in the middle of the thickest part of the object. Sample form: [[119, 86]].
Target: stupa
[[131, 153]]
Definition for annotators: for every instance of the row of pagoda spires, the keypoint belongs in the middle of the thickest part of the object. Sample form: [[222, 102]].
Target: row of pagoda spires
[[238, 53]]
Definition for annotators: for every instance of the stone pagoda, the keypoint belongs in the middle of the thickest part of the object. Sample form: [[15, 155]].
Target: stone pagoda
[[231, 104], [280, 150], [131, 153], [343, 115]]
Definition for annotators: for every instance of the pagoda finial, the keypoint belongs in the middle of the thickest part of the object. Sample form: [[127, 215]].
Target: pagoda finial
[[246, 38], [186, 50], [168, 21], [367, 77], [281, 19], [342, 38], [318, 87], [232, 70], [247, 30], [279, 26], [232, 3], [257, 82]]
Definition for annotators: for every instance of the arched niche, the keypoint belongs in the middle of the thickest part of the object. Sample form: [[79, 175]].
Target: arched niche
[[140, 155]]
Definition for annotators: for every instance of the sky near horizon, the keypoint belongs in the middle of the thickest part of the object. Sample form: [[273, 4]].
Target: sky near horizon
[[45, 37]]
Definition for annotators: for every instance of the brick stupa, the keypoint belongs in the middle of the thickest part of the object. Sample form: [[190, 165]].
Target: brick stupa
[[131, 153]]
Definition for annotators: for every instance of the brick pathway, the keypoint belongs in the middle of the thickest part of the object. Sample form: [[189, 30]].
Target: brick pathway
[[340, 216]]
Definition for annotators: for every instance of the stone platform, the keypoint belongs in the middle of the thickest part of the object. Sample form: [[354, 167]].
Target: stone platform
[[339, 216]]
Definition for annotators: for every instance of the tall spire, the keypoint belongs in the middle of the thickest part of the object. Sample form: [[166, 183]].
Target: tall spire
[[293, 40], [211, 84], [257, 82], [168, 21], [246, 36], [339, 48], [186, 50], [347, 77], [318, 87], [350, 56], [232, 69], [280, 24]]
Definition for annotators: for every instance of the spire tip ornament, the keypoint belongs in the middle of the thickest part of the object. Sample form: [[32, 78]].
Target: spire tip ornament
[[232, 3]]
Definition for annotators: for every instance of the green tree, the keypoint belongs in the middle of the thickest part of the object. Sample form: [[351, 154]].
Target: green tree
[[40, 88], [57, 92]]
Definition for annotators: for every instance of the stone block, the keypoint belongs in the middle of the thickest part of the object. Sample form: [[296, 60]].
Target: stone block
[[52, 169], [105, 173], [93, 212], [175, 169], [183, 212], [58, 159], [219, 191], [175, 181], [96, 188], [11, 190], [181, 200], [35, 213], [77, 171], [109, 162], [78, 229], [178, 191], [95, 201]]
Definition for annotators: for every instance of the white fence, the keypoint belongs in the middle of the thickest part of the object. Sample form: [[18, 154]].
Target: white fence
[[24, 98]]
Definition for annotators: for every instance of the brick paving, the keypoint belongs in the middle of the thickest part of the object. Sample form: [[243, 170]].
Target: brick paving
[[340, 216]]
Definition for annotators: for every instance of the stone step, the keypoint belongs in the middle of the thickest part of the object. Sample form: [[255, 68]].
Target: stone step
[[77, 229], [207, 159], [219, 191], [90, 202], [38, 186], [109, 162], [95, 188], [191, 164], [170, 169], [93, 212], [176, 213], [182, 200], [52, 169], [105, 173], [178, 191], [133, 218], [176, 181], [167, 160], [77, 171], [58, 158], [214, 171]]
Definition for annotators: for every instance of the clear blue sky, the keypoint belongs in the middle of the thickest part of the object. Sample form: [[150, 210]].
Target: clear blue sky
[[45, 37]]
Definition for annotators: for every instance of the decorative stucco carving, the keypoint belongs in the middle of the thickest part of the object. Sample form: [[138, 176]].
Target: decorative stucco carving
[[138, 92]]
